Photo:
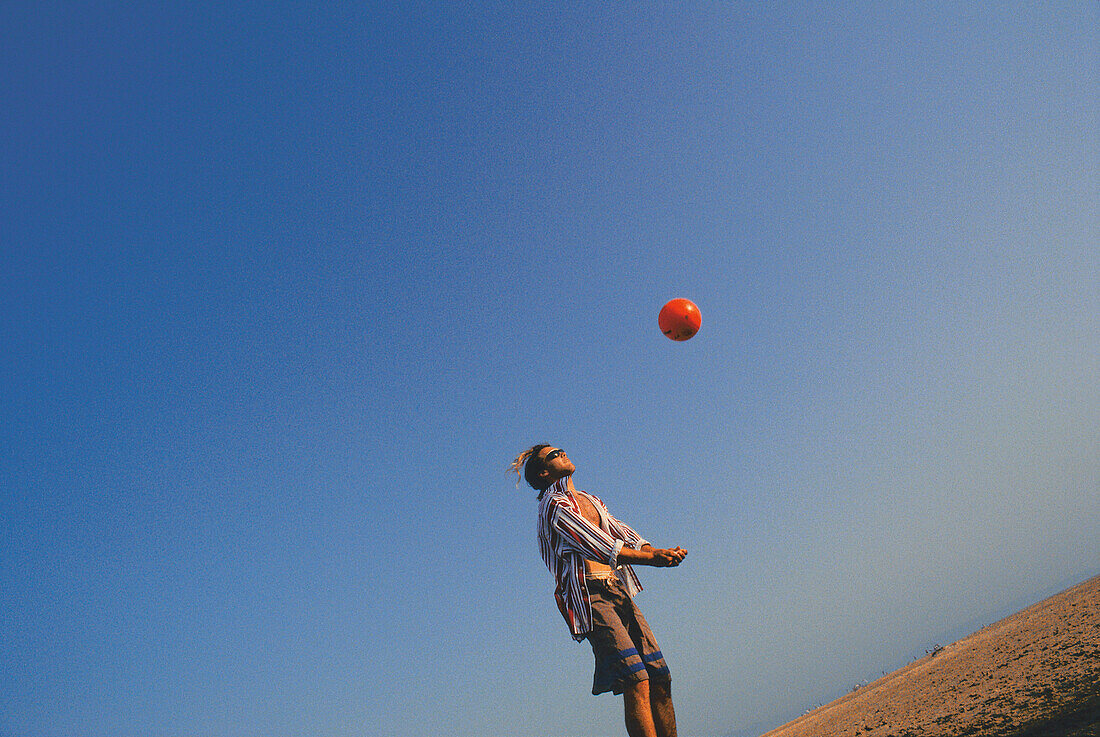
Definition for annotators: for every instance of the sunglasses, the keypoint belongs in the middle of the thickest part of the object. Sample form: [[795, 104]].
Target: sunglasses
[[552, 455]]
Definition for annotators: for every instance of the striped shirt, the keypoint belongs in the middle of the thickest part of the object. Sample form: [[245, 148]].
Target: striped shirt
[[567, 539]]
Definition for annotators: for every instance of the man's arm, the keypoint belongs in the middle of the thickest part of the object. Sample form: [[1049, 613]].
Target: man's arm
[[651, 556], [581, 536], [624, 531]]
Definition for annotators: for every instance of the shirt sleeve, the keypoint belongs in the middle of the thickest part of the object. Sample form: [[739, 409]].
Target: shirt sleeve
[[626, 532], [581, 536]]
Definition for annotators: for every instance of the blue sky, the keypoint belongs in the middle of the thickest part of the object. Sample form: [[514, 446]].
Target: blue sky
[[286, 288]]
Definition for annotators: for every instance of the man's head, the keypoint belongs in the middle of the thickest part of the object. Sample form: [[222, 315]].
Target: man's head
[[542, 465]]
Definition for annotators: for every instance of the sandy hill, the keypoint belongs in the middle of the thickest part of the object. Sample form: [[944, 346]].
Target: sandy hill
[[1033, 674]]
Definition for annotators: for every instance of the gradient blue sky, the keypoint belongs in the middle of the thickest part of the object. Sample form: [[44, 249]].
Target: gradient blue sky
[[285, 288]]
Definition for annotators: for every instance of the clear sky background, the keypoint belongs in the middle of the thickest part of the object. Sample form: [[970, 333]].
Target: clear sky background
[[286, 286]]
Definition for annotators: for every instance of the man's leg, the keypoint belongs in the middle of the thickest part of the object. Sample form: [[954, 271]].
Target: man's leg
[[664, 716], [639, 710]]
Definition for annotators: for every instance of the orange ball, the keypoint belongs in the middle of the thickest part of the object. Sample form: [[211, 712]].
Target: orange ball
[[679, 319]]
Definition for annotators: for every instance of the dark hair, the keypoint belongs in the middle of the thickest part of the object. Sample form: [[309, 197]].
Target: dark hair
[[534, 467]]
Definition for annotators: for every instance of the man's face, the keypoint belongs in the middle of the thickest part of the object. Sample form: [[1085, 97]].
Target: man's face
[[556, 464]]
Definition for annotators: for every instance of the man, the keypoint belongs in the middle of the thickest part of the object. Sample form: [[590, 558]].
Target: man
[[590, 554]]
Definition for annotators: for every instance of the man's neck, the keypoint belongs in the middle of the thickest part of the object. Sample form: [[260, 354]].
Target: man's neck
[[568, 486]]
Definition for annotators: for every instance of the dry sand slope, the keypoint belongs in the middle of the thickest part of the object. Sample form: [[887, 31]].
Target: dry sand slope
[[1034, 674]]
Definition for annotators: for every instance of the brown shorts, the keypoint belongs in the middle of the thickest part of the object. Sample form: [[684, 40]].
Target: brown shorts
[[621, 640]]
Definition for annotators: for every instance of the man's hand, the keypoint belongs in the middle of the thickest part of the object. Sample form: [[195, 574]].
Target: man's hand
[[667, 557], [651, 556]]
